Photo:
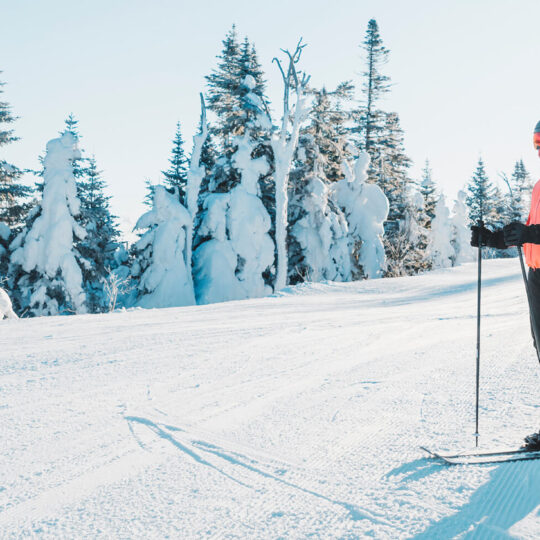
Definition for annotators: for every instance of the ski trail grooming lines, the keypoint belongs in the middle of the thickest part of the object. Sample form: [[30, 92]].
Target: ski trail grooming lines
[[479, 294]]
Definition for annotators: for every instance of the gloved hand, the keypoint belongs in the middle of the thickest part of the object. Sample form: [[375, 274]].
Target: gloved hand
[[480, 232], [515, 234]]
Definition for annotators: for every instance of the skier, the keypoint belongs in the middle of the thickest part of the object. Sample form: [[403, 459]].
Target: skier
[[528, 236]]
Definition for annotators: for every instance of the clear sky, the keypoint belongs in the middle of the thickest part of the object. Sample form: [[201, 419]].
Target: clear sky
[[466, 75]]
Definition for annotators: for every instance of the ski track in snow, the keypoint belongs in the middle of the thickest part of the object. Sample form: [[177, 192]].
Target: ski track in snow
[[290, 416]]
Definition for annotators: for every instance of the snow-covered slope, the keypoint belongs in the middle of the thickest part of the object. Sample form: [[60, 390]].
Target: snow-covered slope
[[289, 416]]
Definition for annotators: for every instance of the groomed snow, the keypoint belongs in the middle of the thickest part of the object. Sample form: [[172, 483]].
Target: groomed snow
[[295, 415]]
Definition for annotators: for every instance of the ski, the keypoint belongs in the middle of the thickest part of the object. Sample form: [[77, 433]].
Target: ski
[[479, 458]]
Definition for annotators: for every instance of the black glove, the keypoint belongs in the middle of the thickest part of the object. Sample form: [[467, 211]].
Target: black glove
[[480, 232], [515, 234]]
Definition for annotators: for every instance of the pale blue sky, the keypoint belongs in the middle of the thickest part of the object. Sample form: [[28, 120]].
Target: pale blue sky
[[466, 75]]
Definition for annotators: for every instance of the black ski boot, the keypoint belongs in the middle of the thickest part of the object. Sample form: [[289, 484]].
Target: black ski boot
[[532, 442]]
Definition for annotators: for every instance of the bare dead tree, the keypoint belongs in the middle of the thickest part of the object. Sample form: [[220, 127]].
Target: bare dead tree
[[284, 145]]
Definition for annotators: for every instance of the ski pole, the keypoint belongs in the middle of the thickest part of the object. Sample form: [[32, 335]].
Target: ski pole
[[531, 314], [479, 294]]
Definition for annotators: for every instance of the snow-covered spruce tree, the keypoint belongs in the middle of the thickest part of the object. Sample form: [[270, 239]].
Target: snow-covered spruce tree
[[223, 266], [484, 201], [149, 195], [329, 127], [98, 249], [194, 178], [375, 85], [404, 229], [45, 265], [318, 243], [237, 250], [428, 189], [461, 232], [521, 185], [176, 175], [14, 203], [229, 99], [164, 278], [440, 250], [379, 133], [366, 209], [481, 196]]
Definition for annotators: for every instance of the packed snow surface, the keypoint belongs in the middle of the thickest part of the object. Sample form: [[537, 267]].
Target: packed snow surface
[[290, 416]]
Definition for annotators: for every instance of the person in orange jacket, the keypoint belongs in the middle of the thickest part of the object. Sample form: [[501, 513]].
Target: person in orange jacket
[[528, 236]]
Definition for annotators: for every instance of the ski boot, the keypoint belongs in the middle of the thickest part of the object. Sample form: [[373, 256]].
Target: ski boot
[[532, 442]]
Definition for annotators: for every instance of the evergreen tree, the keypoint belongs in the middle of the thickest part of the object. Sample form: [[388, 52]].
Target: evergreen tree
[[99, 245], [176, 175], [317, 228], [481, 196], [242, 121], [521, 185], [379, 133], [97, 249], [164, 279], [322, 149], [392, 171], [234, 251], [149, 196], [236, 105], [405, 240], [14, 204], [328, 126], [45, 264], [375, 86], [428, 190]]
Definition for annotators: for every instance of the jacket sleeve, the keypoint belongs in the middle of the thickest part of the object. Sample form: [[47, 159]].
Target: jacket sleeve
[[532, 235]]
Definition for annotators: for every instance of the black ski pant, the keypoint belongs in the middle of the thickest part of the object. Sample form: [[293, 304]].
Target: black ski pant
[[534, 289]]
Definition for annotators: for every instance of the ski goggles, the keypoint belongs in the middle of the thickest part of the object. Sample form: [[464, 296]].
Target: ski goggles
[[536, 141]]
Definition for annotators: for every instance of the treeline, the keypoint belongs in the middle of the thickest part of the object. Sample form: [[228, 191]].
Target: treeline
[[323, 194]]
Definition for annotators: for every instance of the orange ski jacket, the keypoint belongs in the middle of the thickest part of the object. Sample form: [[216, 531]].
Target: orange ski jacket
[[532, 251]]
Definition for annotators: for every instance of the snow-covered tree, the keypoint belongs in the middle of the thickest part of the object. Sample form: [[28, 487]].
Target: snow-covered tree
[[521, 185], [45, 265], [214, 260], [164, 278], [194, 179], [374, 87], [176, 174], [317, 241], [14, 203], [321, 234], [328, 125], [481, 196], [98, 249], [236, 106], [234, 249], [440, 250], [366, 209], [428, 189], [461, 233], [284, 146]]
